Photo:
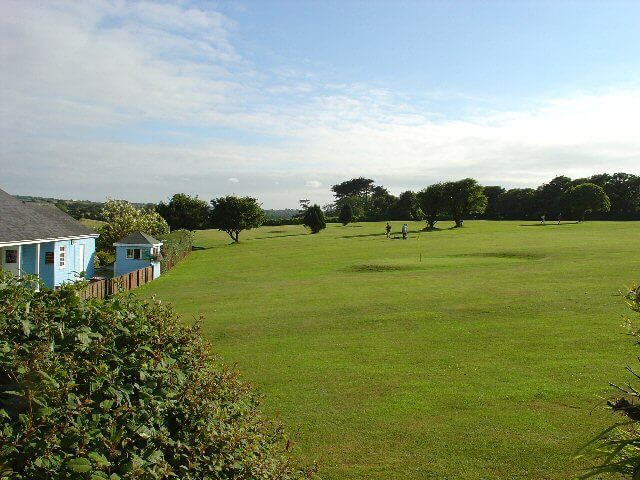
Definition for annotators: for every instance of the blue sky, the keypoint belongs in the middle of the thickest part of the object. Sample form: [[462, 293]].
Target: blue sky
[[280, 100]]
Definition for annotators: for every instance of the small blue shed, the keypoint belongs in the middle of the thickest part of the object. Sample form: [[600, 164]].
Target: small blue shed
[[137, 251]]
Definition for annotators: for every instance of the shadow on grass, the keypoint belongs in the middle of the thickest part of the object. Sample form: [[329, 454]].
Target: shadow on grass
[[281, 236], [514, 255], [547, 224]]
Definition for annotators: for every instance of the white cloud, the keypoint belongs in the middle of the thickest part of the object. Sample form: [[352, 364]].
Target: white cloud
[[73, 73]]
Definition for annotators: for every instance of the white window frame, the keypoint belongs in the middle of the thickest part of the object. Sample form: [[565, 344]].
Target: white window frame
[[62, 256]]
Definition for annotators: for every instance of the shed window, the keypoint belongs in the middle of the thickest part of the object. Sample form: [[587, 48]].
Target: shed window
[[133, 253], [48, 257], [11, 256], [62, 258]]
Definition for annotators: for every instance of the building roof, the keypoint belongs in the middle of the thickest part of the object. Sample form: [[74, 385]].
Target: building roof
[[30, 222], [138, 238]]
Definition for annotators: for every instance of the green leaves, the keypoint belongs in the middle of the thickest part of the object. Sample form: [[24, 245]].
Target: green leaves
[[126, 392]]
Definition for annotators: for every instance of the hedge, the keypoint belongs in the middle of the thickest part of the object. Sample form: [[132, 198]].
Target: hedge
[[175, 246], [120, 389]]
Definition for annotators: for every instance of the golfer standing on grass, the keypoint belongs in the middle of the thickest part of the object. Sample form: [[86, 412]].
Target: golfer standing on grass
[[405, 230], [388, 230]]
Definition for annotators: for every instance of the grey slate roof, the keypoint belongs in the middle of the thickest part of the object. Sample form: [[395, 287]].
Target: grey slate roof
[[138, 238], [27, 221]]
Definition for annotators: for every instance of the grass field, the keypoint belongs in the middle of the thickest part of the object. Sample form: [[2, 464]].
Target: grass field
[[483, 360]]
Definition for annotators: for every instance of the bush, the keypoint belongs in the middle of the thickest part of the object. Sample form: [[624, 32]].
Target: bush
[[314, 219], [618, 447], [104, 258], [119, 389], [175, 246]]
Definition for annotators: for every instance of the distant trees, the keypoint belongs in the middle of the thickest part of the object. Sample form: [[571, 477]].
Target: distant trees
[[233, 214], [549, 196], [517, 204], [407, 207], [346, 214], [585, 198], [462, 198], [314, 219], [185, 212], [492, 212], [432, 203], [122, 218]]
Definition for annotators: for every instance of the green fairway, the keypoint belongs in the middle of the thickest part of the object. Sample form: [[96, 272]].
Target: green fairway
[[473, 353]]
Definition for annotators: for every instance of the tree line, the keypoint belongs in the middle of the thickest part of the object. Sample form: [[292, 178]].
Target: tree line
[[604, 196]]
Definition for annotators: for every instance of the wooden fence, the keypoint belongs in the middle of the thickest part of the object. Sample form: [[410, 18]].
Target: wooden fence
[[122, 283]]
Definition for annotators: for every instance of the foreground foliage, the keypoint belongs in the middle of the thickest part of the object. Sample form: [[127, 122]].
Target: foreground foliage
[[119, 389], [618, 447]]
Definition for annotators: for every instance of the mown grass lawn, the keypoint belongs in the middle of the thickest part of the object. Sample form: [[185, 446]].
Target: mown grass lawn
[[484, 360]]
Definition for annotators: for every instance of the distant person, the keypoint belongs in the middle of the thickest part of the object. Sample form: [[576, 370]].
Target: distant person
[[559, 218], [405, 230], [388, 227], [543, 218]]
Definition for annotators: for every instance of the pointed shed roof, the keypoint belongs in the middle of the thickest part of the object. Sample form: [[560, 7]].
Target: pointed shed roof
[[138, 238]]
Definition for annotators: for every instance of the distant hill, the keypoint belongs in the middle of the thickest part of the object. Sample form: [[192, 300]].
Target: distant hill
[[78, 209]]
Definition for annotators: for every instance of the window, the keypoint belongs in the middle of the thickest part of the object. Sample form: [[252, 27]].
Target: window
[[133, 253], [11, 256], [48, 257], [62, 258]]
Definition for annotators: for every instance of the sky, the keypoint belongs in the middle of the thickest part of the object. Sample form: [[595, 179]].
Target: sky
[[282, 99]]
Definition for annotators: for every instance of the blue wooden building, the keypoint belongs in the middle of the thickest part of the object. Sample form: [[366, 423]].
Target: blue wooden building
[[40, 239], [137, 251]]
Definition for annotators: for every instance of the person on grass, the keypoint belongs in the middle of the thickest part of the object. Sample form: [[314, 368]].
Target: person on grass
[[388, 230], [405, 230]]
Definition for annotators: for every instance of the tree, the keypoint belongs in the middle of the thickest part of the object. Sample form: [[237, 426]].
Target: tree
[[432, 203], [549, 195], [623, 190], [353, 188], [233, 214], [517, 204], [122, 219], [346, 214], [585, 198], [462, 198], [407, 207], [185, 212], [492, 193], [380, 203], [314, 219], [122, 389]]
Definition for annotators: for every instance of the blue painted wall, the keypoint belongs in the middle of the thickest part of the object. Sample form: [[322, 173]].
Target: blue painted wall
[[125, 265], [74, 264]]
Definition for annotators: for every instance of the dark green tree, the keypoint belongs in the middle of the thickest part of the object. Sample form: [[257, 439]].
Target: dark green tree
[[407, 207], [234, 214], [184, 212], [346, 214], [431, 202], [517, 204], [586, 197], [549, 196], [463, 198], [493, 193], [314, 219]]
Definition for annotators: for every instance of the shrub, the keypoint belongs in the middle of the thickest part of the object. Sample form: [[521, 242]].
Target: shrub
[[175, 246], [346, 214], [314, 219], [104, 258], [119, 389], [618, 447]]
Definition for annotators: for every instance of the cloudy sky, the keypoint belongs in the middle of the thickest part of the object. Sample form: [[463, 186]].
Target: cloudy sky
[[280, 100]]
